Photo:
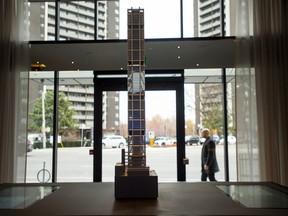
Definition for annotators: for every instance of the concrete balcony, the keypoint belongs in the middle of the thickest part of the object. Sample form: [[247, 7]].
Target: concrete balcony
[[82, 108]]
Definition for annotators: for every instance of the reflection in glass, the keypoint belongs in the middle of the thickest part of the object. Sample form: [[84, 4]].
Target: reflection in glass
[[256, 196], [22, 197]]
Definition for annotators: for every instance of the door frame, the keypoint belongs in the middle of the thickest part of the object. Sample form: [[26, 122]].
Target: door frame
[[151, 83]]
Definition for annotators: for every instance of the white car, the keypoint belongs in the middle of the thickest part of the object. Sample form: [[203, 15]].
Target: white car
[[162, 141], [113, 141], [202, 140], [231, 140]]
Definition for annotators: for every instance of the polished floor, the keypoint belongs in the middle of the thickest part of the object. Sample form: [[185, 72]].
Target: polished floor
[[173, 199]]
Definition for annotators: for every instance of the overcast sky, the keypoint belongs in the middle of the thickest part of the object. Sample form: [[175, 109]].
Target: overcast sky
[[162, 17]]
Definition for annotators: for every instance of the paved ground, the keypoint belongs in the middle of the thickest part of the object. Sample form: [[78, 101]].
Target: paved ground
[[75, 164]]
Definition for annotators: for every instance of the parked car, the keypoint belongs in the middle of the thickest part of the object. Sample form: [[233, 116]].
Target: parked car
[[231, 140], [113, 141], [147, 141], [172, 141], [162, 141], [29, 146], [192, 139], [33, 138], [202, 140], [216, 138]]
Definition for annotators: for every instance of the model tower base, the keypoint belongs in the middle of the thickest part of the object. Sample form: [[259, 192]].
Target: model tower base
[[127, 184]]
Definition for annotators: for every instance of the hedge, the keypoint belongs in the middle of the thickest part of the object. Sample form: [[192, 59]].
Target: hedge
[[39, 145]]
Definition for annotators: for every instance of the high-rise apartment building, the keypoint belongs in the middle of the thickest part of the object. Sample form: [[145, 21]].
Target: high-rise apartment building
[[207, 18], [77, 22]]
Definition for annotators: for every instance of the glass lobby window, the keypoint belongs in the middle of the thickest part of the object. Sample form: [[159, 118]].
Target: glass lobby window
[[204, 102], [41, 21], [108, 19], [40, 127], [161, 134], [160, 121], [75, 126], [162, 18], [77, 20], [189, 25], [231, 116], [114, 131], [204, 109], [207, 18]]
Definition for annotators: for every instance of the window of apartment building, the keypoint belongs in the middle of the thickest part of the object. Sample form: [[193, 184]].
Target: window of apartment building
[[101, 5], [101, 21], [101, 30], [77, 12], [101, 13]]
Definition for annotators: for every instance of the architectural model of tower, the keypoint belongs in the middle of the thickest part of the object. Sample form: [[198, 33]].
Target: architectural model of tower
[[136, 94], [135, 180]]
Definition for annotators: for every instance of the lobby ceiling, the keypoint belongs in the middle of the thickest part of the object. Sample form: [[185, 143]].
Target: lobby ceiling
[[201, 56]]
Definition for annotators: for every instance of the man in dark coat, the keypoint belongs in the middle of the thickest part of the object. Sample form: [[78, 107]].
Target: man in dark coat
[[209, 165]]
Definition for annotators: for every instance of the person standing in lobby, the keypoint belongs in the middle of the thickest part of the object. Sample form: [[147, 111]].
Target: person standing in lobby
[[209, 164]]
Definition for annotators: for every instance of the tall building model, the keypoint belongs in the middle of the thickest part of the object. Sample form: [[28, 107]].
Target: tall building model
[[136, 92], [135, 180]]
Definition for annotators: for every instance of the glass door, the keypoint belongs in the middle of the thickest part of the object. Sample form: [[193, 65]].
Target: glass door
[[40, 126], [161, 140], [204, 109], [75, 126]]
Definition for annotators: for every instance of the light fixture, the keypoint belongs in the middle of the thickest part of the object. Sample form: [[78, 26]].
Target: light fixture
[[179, 47], [38, 66], [197, 65], [72, 62], [179, 57]]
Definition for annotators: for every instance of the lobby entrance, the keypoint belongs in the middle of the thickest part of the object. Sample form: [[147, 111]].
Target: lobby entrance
[[88, 89]]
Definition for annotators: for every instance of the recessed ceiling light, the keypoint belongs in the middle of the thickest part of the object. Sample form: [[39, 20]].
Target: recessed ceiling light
[[179, 57], [179, 47], [121, 68], [197, 65], [72, 62], [37, 62]]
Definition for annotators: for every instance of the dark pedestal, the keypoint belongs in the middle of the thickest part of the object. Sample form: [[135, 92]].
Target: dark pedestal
[[136, 187]]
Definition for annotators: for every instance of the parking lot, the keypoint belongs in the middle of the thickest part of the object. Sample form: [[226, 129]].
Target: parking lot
[[76, 165]]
